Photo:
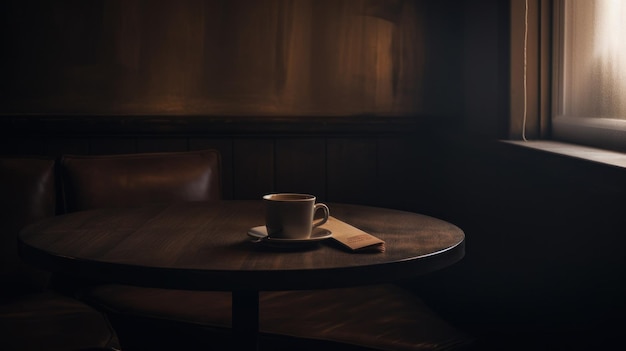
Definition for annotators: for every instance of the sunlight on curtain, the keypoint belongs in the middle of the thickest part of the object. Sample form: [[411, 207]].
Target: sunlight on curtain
[[595, 57]]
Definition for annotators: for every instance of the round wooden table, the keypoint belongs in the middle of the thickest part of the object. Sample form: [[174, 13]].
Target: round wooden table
[[204, 246]]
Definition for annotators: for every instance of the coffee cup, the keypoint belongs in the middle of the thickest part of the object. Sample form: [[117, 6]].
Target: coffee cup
[[291, 215]]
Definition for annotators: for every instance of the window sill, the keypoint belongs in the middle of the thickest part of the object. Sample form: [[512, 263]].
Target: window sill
[[606, 157]]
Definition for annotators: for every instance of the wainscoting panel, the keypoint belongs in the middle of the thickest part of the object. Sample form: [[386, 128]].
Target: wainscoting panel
[[113, 145], [400, 178], [162, 144], [57, 146], [23, 145], [301, 166], [253, 168], [352, 170], [363, 159]]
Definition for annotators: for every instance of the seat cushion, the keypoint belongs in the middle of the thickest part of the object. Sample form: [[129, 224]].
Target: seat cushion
[[136, 179], [31, 318], [49, 321], [380, 317]]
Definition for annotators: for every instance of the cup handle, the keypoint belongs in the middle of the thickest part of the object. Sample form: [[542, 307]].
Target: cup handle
[[326, 214]]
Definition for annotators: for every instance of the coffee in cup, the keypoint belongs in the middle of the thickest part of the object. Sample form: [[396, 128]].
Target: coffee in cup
[[291, 215]]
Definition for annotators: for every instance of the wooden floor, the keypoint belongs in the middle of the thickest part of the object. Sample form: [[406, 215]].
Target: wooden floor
[[555, 341], [494, 342]]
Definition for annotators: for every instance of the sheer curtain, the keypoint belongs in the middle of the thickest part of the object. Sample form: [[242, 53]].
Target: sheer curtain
[[590, 84], [595, 59]]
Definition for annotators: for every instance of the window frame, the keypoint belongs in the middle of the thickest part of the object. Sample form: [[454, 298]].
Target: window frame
[[605, 133], [530, 69], [536, 35]]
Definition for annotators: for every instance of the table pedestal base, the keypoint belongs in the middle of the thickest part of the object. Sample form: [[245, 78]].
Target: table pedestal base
[[245, 316]]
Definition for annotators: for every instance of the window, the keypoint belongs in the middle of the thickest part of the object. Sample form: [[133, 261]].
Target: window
[[589, 73]]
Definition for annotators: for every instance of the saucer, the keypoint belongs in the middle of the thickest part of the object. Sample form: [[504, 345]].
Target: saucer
[[260, 233]]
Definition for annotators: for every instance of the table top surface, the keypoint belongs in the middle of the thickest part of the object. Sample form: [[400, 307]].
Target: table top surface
[[205, 246]]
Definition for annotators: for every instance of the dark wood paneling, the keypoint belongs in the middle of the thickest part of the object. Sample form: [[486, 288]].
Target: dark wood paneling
[[352, 170], [113, 145], [277, 156], [401, 173], [301, 166], [162, 144], [58, 146], [253, 168], [26, 145]]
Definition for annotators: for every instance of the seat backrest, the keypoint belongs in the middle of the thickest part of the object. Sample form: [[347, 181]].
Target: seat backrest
[[137, 179], [28, 193]]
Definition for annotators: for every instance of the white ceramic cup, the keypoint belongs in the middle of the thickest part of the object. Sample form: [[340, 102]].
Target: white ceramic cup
[[291, 216]]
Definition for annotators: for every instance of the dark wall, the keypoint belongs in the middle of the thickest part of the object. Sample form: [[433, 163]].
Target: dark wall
[[240, 57], [545, 243], [545, 232]]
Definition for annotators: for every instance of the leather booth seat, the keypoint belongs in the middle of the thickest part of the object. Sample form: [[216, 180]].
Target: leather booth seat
[[136, 179], [32, 317], [51, 321]]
